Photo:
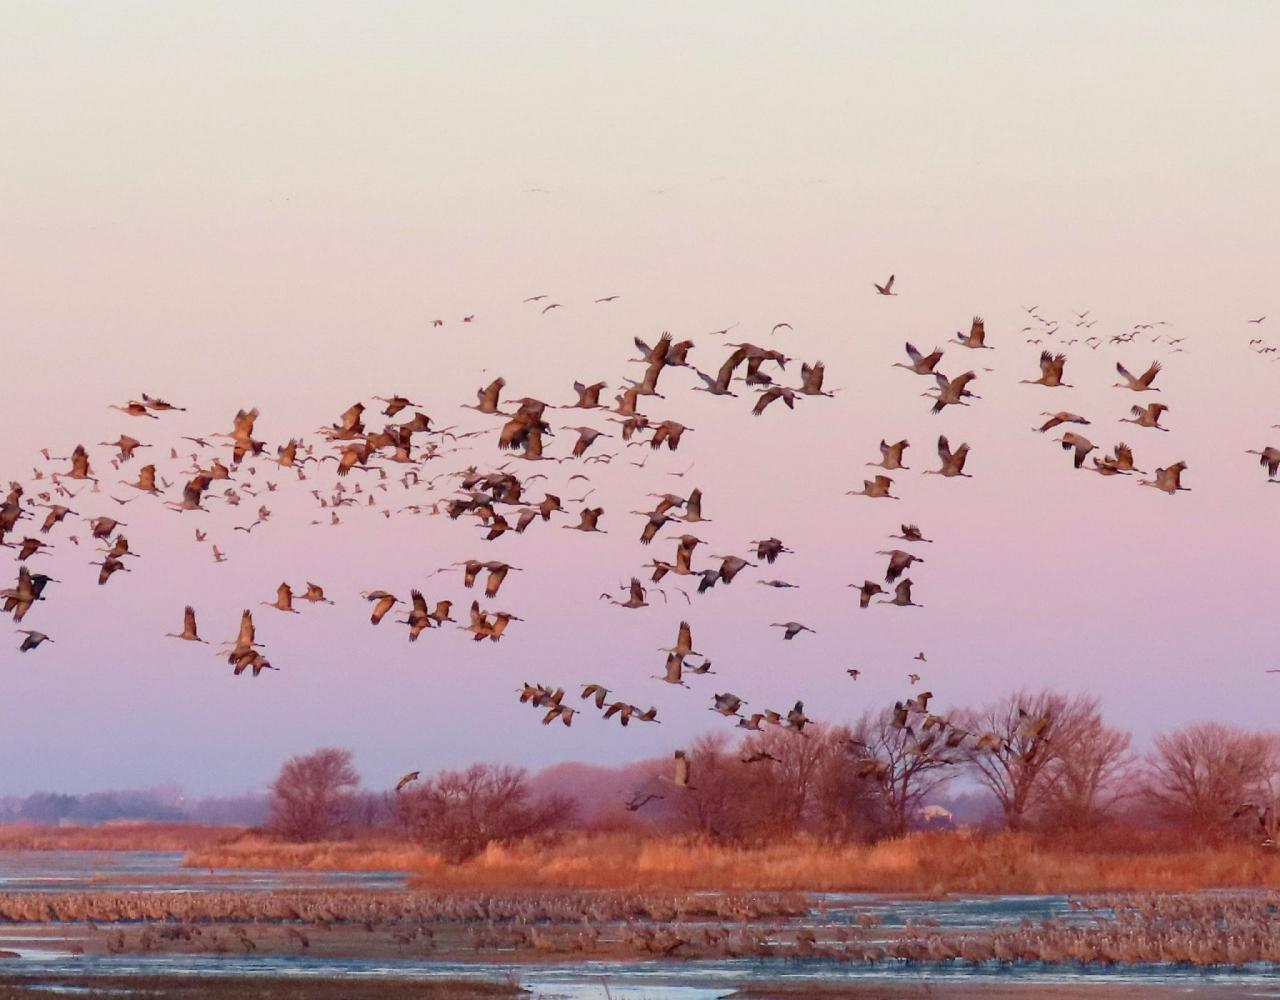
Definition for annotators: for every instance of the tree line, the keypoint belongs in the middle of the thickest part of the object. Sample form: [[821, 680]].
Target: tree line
[[1042, 761]]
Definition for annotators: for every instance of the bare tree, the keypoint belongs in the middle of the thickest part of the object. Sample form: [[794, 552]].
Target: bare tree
[[1200, 775], [1260, 816], [903, 766], [1026, 736], [846, 806], [311, 795], [461, 812], [1087, 777], [721, 802], [791, 773]]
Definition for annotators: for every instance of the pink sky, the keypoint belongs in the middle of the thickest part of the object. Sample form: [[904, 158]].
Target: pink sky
[[234, 208]]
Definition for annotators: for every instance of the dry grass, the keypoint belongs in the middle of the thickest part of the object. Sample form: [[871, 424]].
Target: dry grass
[[114, 837], [926, 863], [258, 851]]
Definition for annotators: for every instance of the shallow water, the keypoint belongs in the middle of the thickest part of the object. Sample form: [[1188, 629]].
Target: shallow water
[[162, 871], [692, 980], [43, 950]]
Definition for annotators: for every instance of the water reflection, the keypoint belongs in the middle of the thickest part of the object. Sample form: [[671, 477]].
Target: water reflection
[[162, 871]]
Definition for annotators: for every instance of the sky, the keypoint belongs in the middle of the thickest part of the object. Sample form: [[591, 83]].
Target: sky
[[267, 205]]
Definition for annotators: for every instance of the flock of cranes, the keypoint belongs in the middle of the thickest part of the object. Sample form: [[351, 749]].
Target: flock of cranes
[[373, 457]]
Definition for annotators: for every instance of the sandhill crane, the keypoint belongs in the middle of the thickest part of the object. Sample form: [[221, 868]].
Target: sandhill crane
[[1033, 727], [419, 618], [977, 337], [866, 591], [811, 378], [1120, 463], [146, 480], [160, 406], [796, 719], [656, 519], [103, 527], [891, 455], [684, 556], [487, 397], [586, 437], [560, 711], [782, 392], [110, 565], [684, 642], [597, 691], [1169, 480], [673, 672], [951, 392], [127, 445], [887, 287], [482, 628], [1061, 417], [30, 547], [623, 710], [636, 598], [911, 533], [921, 364], [670, 431], [382, 603], [283, 601], [899, 563], [133, 408], [952, 462], [192, 494], [587, 520], [693, 508], [792, 629], [878, 487], [638, 801], [315, 594], [1051, 366], [56, 513], [1080, 443], [731, 566], [726, 704], [1269, 459], [251, 660], [902, 596], [719, 386], [32, 641], [80, 467], [189, 631], [769, 549], [242, 439], [1140, 384], [245, 640], [680, 774], [395, 404], [406, 780], [1146, 416]]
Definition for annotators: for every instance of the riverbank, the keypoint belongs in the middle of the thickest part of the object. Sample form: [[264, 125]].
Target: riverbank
[[919, 864], [162, 987]]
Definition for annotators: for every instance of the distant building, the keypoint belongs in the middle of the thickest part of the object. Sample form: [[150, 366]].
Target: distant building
[[934, 817]]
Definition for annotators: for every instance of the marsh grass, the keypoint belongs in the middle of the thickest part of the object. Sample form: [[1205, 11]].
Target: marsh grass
[[922, 863], [115, 837]]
